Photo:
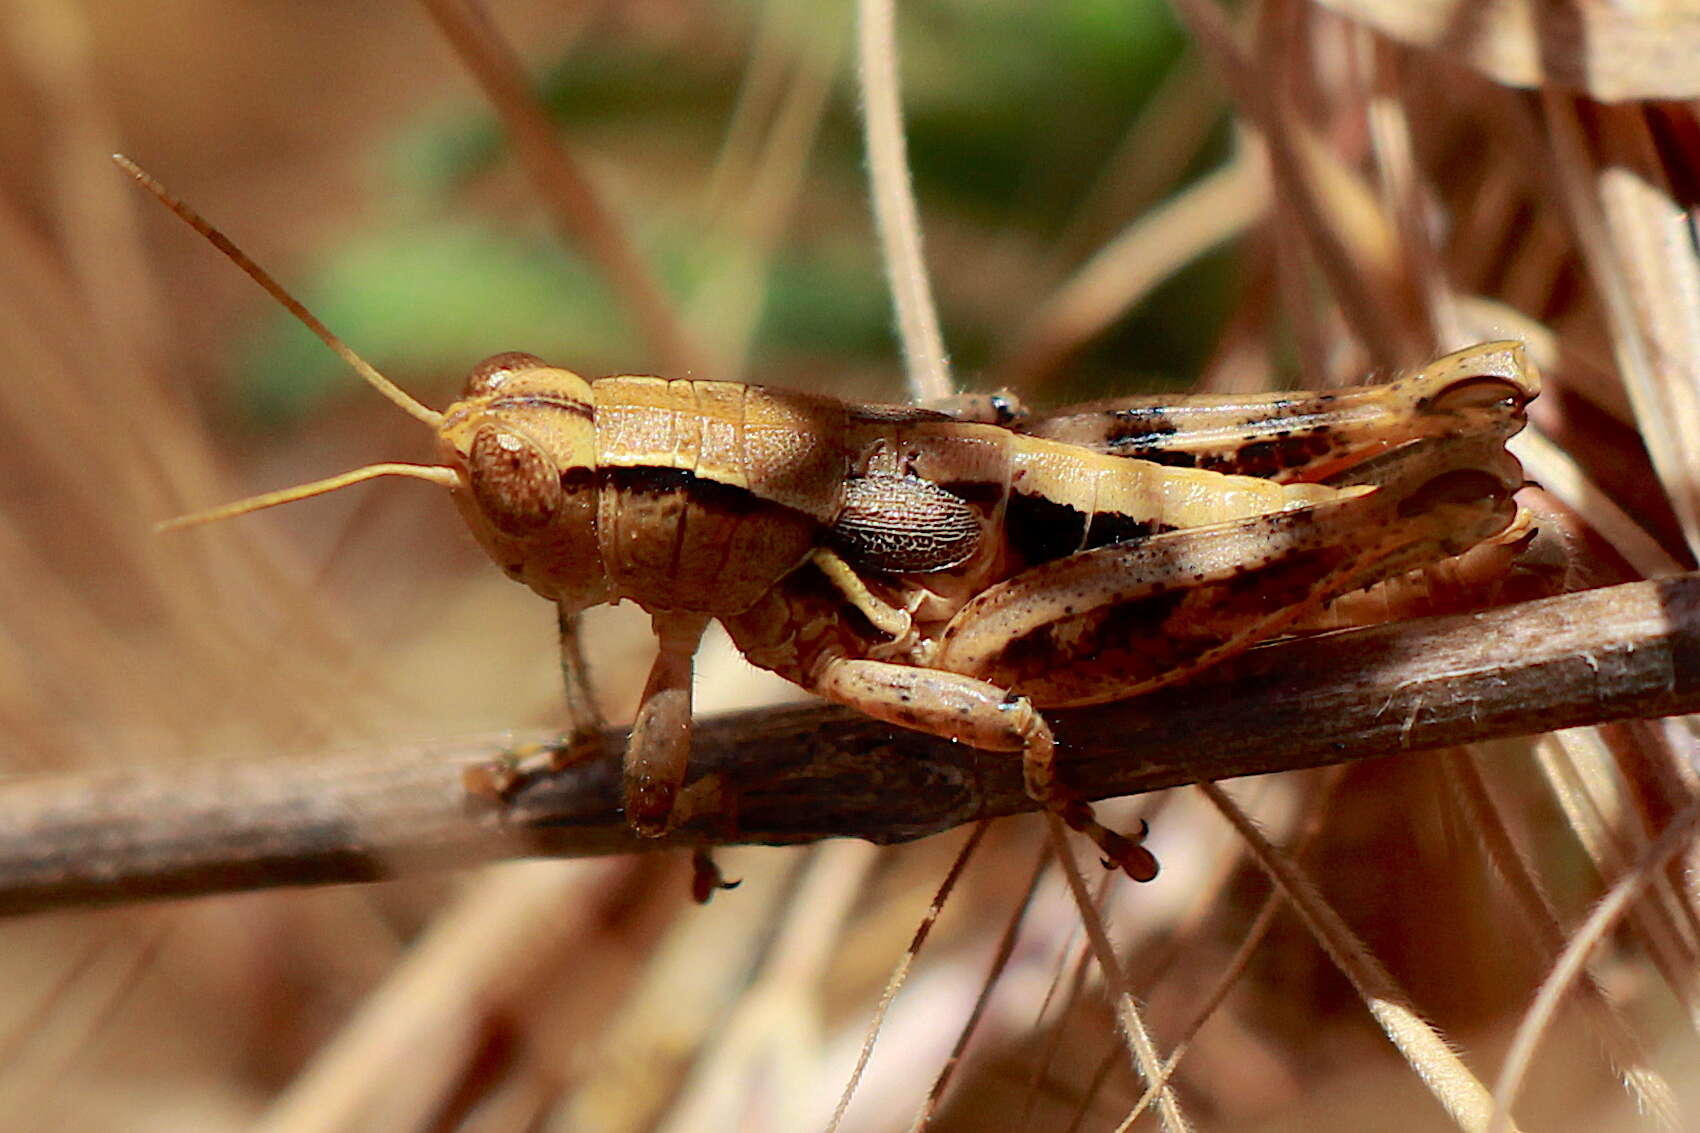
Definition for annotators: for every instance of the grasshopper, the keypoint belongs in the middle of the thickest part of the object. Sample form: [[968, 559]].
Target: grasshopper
[[954, 570]]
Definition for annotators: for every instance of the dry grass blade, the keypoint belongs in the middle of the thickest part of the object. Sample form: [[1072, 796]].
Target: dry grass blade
[[1404, 197], [901, 973], [1559, 474], [54, 41], [895, 214], [658, 1054], [767, 196], [1653, 1093], [1598, 790], [577, 208], [19, 1036], [772, 1040], [433, 1014], [1595, 792], [1067, 982], [1000, 961], [1231, 972], [1677, 838], [1612, 51], [1654, 355], [1447, 1078], [55, 316], [1578, 770], [1210, 211], [1653, 235], [1230, 975], [1143, 1050], [1345, 229], [1165, 137], [80, 1036]]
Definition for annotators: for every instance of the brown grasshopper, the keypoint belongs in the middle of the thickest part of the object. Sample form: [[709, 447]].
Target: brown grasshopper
[[952, 571]]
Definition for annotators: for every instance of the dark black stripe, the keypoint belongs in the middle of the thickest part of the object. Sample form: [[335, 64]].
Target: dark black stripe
[[714, 495], [1111, 527], [1144, 431], [1135, 430], [1042, 530], [981, 493], [1268, 457], [1169, 459], [578, 478], [648, 479], [1141, 420]]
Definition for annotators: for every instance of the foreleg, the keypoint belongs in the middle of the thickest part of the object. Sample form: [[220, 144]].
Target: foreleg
[[659, 746]]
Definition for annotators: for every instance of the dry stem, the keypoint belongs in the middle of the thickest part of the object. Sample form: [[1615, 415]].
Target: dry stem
[[805, 773]]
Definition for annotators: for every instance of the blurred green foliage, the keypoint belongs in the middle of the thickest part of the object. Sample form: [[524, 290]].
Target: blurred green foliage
[[1013, 108], [416, 296]]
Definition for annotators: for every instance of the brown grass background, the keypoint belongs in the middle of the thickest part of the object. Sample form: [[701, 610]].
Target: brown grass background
[[1474, 176]]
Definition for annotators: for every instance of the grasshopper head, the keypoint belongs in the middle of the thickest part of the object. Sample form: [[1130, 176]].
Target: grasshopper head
[[522, 443]]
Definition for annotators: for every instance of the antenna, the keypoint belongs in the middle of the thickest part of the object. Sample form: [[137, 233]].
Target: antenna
[[434, 473], [259, 275]]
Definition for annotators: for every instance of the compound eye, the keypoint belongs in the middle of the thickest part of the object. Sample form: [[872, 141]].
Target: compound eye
[[513, 483], [489, 375]]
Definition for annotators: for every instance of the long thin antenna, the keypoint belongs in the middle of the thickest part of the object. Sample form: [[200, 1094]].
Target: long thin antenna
[[259, 275], [431, 472]]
